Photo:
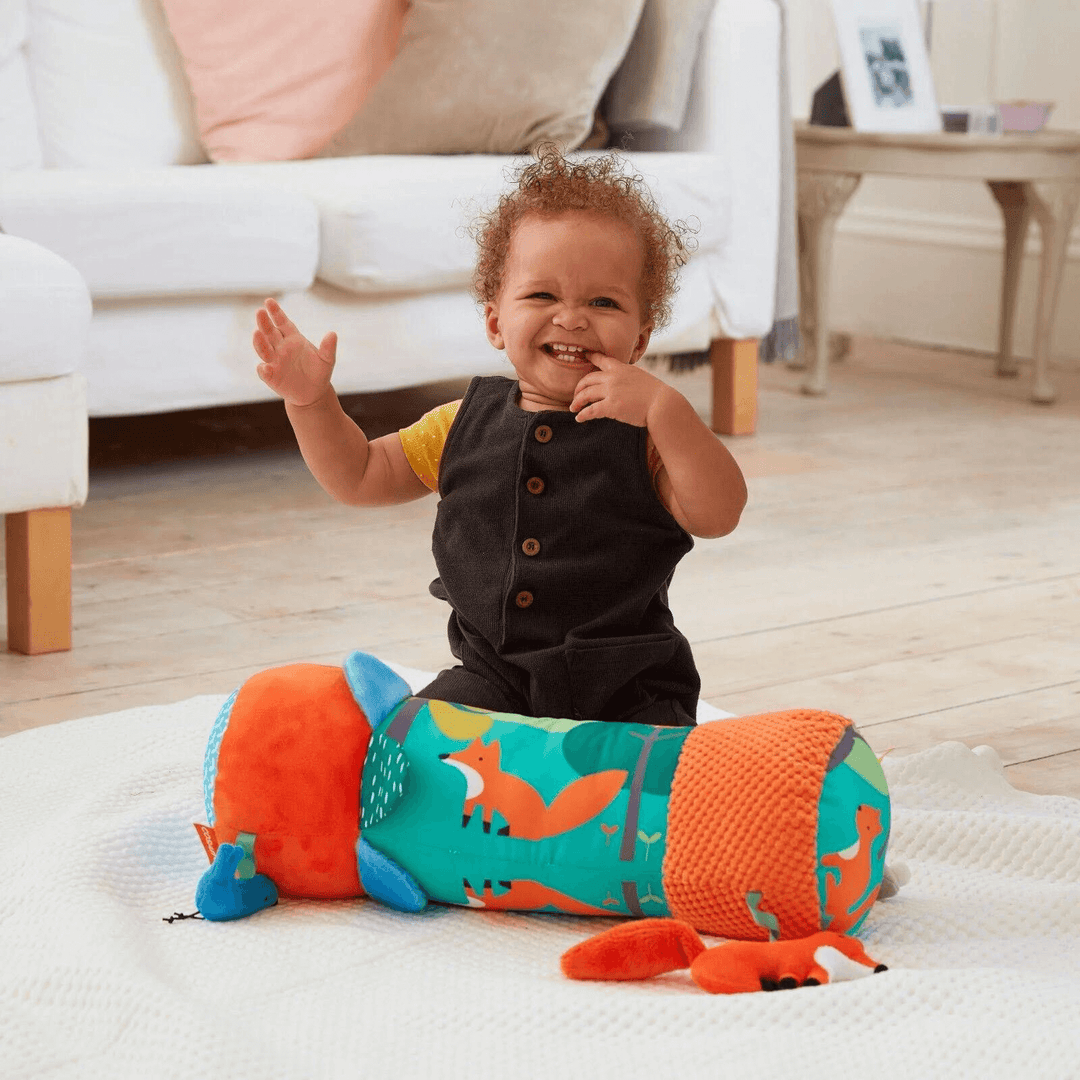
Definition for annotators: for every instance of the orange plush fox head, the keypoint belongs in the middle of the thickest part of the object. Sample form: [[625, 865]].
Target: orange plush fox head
[[287, 769]]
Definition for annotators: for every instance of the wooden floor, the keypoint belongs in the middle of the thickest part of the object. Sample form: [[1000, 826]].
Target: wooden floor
[[910, 557]]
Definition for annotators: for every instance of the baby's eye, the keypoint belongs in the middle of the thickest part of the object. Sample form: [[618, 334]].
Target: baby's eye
[[605, 301], [541, 296]]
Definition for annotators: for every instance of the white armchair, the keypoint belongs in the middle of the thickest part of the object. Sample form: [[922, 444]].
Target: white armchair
[[45, 312]]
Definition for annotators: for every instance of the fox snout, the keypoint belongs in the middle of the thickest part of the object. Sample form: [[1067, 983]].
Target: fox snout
[[474, 782]]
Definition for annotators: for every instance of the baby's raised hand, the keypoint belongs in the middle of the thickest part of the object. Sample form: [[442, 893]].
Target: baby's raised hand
[[616, 390], [291, 365]]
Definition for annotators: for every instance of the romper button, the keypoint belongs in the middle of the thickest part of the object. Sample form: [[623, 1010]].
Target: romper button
[[523, 598], [535, 485], [543, 433], [531, 546]]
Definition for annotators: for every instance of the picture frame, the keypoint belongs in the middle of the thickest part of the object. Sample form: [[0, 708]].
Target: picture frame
[[885, 66]]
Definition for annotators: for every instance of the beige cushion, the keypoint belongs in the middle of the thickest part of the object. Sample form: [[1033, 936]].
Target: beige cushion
[[492, 76]]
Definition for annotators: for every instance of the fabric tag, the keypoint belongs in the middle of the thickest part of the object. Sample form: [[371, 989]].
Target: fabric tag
[[246, 869], [208, 838]]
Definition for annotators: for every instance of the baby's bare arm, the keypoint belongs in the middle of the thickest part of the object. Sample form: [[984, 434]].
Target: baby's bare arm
[[700, 482], [339, 455], [350, 467]]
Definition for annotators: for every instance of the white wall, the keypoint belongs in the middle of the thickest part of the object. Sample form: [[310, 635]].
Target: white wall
[[921, 260]]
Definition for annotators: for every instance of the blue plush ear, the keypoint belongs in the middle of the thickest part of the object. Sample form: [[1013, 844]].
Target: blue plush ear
[[384, 880], [376, 687]]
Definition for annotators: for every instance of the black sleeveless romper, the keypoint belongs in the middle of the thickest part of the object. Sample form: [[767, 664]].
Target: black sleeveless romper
[[555, 556]]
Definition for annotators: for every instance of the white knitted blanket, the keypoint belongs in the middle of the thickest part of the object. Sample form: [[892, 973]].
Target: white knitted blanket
[[97, 847]]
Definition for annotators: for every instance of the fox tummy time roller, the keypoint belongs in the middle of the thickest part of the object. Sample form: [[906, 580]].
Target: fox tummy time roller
[[330, 782]]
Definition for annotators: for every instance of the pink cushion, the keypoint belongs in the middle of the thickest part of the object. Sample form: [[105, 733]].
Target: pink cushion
[[274, 80]]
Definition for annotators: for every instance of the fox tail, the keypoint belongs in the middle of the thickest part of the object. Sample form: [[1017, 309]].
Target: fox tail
[[583, 799]]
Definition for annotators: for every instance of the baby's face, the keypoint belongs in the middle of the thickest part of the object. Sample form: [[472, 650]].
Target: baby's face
[[569, 289]]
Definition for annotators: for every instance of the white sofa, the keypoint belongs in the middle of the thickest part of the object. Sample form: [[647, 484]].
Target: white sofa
[[101, 169], [100, 164]]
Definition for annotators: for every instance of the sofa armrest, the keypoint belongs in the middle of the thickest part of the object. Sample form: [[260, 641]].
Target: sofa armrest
[[44, 311], [734, 112], [45, 314]]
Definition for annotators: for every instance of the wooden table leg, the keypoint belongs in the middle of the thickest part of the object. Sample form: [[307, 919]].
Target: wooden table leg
[[39, 580], [1016, 210], [734, 385], [1054, 207], [822, 197]]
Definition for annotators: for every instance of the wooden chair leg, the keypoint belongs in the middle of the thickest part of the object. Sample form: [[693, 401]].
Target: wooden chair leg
[[734, 385], [39, 581]]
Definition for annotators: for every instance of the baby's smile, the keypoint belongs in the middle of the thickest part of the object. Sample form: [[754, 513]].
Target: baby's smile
[[573, 355]]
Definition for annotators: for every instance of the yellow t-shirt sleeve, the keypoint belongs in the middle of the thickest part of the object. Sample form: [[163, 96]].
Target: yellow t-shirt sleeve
[[423, 442]]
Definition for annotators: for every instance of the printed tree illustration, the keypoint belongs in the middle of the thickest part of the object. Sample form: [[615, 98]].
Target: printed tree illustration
[[647, 754]]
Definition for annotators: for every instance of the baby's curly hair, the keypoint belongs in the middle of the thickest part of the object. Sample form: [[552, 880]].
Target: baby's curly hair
[[552, 185]]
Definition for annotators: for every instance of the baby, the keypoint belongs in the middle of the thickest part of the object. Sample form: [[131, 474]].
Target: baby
[[568, 494]]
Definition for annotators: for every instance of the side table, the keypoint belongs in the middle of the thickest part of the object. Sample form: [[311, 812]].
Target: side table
[[1031, 175]]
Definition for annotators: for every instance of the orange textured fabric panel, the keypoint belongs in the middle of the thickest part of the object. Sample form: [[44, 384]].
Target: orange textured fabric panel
[[743, 817], [289, 771]]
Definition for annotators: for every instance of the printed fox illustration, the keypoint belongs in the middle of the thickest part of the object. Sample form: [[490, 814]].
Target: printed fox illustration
[[526, 895], [853, 864], [519, 804]]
